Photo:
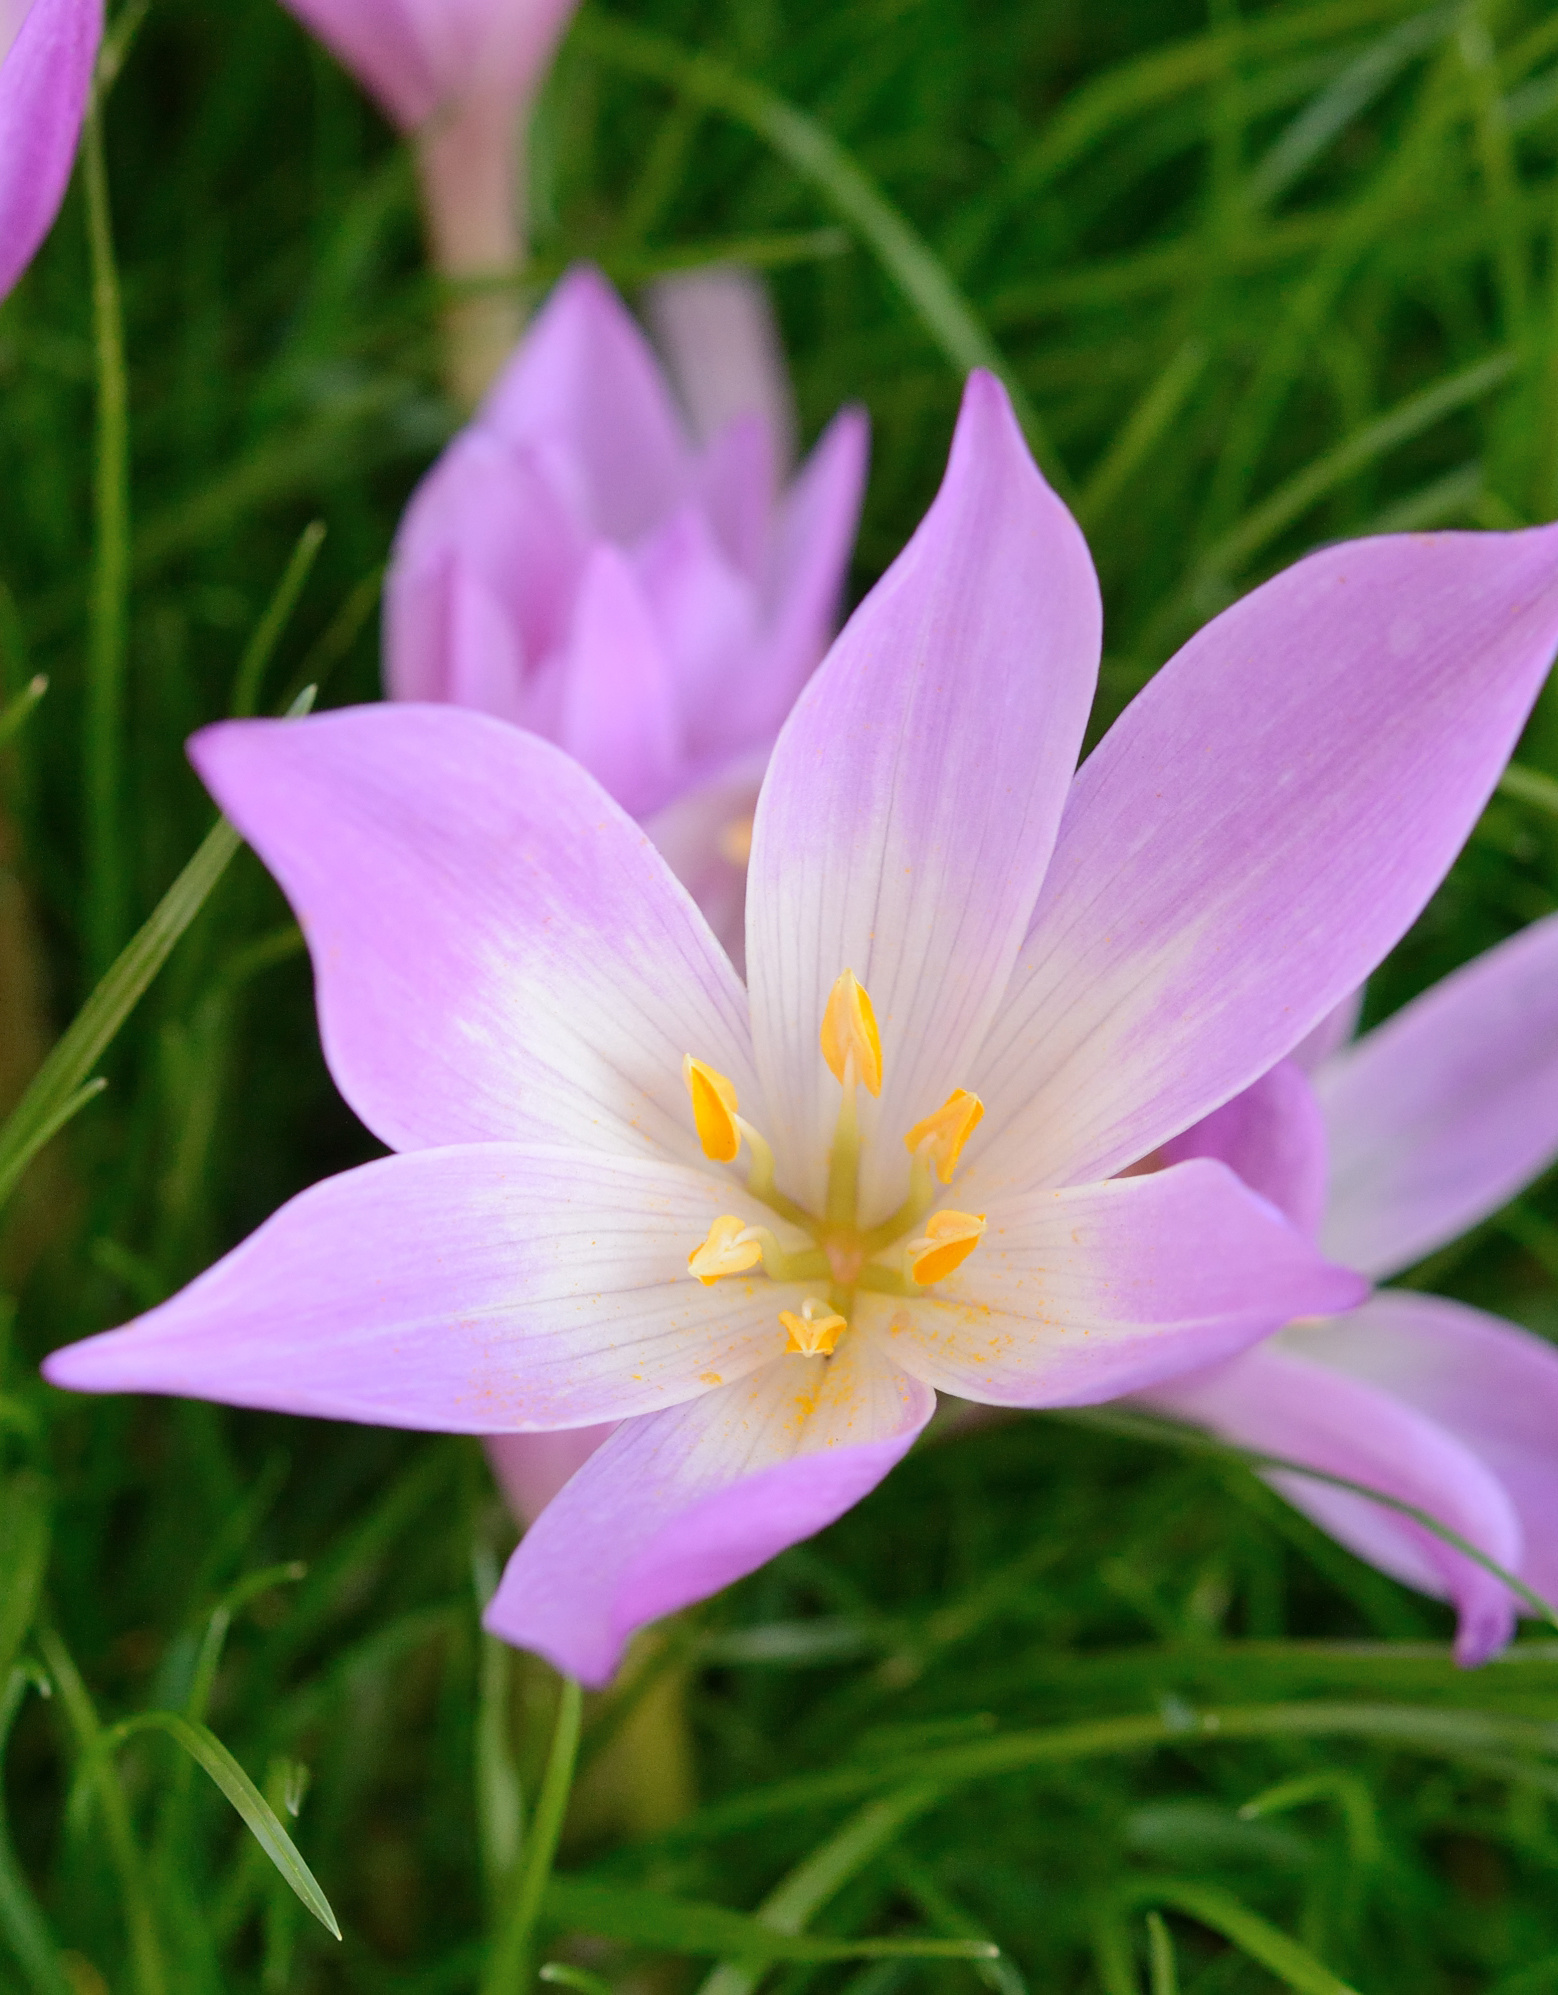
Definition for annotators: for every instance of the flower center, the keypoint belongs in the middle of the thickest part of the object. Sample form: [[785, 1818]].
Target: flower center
[[842, 1257]]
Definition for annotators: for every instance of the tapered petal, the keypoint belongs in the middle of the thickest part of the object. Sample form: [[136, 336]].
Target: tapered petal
[[675, 1506], [722, 345], [912, 800], [499, 953], [1490, 1384], [1286, 1400], [619, 708], [45, 75], [1256, 831], [706, 612], [585, 389], [416, 56], [472, 1290], [1076, 1296], [383, 48], [532, 1468], [485, 522], [703, 837], [1272, 1136], [1443, 1113]]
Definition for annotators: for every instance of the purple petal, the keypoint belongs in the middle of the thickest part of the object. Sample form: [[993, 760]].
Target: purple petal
[[471, 1290], [739, 488], [415, 55], [532, 1468], [1076, 1296], [1333, 1032], [1256, 831], [499, 953], [45, 76], [1287, 1400], [721, 343], [484, 525], [808, 563], [380, 44], [1272, 1136], [1491, 1385], [1443, 1113], [701, 838], [675, 1506], [619, 708], [585, 385], [707, 615], [912, 801]]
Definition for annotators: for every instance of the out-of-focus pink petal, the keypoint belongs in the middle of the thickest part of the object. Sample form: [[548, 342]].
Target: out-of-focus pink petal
[[379, 42], [585, 381], [1272, 1137], [46, 68], [499, 953], [911, 804], [1487, 1382], [805, 584], [1076, 1296], [738, 484], [1255, 832], [1442, 1113], [717, 331], [1331, 1034], [619, 706], [485, 519], [532, 1468], [416, 56], [472, 1290], [676, 1506], [1287, 1400], [704, 838], [707, 615]]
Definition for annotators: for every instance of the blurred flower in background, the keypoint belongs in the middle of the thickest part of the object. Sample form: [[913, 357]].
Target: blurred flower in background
[[577, 563], [460, 75], [47, 53], [1398, 1144], [515, 995]]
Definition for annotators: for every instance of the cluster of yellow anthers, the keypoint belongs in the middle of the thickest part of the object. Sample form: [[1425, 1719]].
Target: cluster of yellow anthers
[[842, 1254]]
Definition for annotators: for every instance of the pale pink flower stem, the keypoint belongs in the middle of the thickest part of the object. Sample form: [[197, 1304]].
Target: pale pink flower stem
[[470, 166]]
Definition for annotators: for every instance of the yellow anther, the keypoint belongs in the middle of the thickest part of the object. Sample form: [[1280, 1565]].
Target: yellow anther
[[714, 1107], [731, 1248], [949, 1239], [940, 1137], [849, 1029], [815, 1331]]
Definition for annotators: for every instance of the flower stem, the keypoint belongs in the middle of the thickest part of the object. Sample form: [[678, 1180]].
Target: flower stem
[[109, 614], [470, 164]]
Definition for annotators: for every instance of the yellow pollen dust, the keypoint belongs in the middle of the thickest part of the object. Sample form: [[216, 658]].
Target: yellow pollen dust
[[714, 1107], [849, 1029], [815, 1331], [949, 1239], [729, 1250], [940, 1137]]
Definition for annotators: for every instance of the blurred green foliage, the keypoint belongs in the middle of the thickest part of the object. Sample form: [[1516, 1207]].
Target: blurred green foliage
[[1267, 275]]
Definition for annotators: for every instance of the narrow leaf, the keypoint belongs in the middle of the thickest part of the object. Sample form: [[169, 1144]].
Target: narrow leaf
[[1251, 1934]]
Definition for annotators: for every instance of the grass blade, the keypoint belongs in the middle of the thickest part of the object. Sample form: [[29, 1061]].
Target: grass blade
[[1212, 1906], [208, 1752], [508, 1968], [267, 632]]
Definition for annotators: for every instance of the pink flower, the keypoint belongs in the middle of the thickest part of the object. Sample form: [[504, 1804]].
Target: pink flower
[[418, 57], [47, 53], [1405, 1139], [762, 1228], [573, 563]]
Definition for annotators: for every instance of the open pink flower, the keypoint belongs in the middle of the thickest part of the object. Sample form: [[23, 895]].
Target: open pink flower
[[573, 563], [47, 52], [1403, 1140], [418, 57], [762, 1227]]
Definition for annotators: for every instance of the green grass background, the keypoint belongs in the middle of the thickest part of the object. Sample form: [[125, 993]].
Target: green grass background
[[1266, 275]]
